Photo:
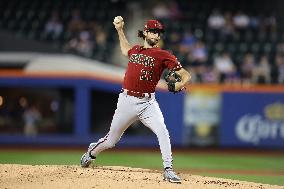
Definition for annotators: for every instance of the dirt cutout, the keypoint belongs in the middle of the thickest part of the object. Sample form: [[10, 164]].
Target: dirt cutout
[[63, 176]]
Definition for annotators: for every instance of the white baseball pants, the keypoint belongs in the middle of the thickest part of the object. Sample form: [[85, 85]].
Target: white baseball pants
[[130, 109]]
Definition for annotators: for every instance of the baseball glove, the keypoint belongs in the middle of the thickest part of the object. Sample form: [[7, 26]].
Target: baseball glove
[[171, 78]]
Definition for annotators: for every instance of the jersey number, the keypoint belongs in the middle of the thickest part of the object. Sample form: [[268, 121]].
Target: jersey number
[[146, 75]]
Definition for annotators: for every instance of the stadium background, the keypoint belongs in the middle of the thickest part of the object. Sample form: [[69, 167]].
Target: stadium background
[[61, 72]]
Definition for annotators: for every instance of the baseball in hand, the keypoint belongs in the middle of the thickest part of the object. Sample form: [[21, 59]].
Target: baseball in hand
[[117, 19]]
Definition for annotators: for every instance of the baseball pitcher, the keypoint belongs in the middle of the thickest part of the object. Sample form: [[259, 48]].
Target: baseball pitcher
[[137, 98]]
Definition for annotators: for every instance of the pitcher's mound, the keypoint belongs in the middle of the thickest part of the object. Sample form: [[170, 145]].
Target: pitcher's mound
[[63, 176]]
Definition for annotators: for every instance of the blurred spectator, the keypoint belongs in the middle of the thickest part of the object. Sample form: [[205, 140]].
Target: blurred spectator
[[31, 117], [225, 68], [199, 53], [198, 58], [210, 75], [247, 67], [187, 42], [216, 20], [280, 49], [76, 24], [261, 73], [270, 23], [82, 45], [85, 45], [6, 116], [254, 22], [241, 20], [100, 37], [216, 23], [228, 29], [280, 68], [71, 45], [53, 27], [161, 11]]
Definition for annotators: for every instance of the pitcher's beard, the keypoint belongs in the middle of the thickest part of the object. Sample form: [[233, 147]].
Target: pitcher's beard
[[152, 42]]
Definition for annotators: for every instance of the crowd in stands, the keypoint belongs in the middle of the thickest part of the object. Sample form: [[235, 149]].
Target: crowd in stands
[[80, 27], [85, 38], [226, 44]]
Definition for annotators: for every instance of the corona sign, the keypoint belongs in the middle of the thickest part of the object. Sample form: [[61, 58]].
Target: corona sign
[[252, 119]]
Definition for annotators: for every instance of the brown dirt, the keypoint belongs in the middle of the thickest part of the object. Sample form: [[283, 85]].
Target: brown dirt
[[63, 176]]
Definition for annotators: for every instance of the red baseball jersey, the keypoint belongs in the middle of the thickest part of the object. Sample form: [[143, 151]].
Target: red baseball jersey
[[145, 68]]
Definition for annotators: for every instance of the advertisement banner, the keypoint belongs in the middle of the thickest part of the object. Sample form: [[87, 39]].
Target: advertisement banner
[[252, 120], [201, 118]]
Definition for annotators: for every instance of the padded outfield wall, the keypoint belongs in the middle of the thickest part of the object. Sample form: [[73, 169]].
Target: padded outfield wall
[[205, 115], [235, 116]]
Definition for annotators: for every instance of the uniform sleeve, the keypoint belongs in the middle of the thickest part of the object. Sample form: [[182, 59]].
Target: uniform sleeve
[[171, 62], [132, 49]]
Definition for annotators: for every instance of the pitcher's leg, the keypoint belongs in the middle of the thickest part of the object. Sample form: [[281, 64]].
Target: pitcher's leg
[[124, 116], [153, 118]]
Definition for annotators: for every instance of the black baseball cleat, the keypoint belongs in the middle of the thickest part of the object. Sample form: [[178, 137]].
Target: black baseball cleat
[[171, 176]]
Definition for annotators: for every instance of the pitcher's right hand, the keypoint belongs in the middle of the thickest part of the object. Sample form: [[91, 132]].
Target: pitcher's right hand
[[118, 22]]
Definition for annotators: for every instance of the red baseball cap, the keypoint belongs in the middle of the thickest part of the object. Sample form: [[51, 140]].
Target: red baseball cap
[[153, 24]]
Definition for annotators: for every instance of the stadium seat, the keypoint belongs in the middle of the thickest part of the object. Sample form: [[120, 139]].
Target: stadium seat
[[28, 18]]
